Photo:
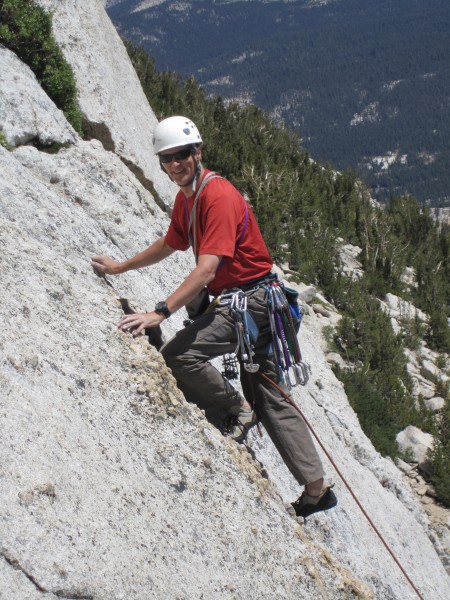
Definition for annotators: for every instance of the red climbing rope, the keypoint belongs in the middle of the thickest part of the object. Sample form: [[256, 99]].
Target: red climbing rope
[[347, 485]]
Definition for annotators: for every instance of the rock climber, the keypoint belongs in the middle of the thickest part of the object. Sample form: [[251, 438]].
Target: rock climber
[[210, 215]]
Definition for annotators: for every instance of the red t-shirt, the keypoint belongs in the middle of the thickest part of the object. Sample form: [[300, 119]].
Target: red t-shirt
[[226, 227]]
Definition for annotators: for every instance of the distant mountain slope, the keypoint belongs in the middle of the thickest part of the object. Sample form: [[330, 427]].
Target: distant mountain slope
[[366, 84]]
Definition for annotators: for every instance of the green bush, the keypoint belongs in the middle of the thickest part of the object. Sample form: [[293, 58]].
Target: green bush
[[413, 332], [26, 29]]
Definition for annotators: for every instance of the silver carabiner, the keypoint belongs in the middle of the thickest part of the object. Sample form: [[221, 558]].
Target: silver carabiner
[[302, 372]]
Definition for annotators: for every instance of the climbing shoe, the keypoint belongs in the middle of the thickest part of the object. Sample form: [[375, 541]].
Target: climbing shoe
[[307, 505], [238, 426]]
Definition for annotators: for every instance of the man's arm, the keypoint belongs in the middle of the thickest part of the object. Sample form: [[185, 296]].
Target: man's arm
[[203, 274], [158, 251]]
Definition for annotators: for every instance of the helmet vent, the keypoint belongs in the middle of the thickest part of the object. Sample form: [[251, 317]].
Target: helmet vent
[[173, 132]]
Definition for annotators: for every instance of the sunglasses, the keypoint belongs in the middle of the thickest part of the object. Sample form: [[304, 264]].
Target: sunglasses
[[180, 155]]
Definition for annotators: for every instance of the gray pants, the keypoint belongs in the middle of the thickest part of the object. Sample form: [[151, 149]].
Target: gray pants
[[212, 335]]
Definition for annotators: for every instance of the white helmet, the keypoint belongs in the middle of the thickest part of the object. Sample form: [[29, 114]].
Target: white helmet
[[173, 132]]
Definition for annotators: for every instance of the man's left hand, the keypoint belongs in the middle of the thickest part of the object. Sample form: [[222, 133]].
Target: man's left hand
[[138, 322]]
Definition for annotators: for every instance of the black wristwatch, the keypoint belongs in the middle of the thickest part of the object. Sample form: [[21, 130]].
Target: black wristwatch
[[161, 308]]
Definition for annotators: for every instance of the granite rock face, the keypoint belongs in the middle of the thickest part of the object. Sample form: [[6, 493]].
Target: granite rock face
[[26, 117], [112, 486]]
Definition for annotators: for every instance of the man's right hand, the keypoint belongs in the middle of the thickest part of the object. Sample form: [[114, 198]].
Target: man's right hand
[[106, 265]]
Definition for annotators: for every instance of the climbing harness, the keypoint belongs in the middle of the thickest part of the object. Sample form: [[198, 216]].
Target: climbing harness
[[191, 218]]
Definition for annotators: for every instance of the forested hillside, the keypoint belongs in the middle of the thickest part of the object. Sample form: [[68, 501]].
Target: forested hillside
[[365, 84]]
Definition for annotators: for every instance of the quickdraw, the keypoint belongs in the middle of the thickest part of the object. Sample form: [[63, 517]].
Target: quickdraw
[[246, 331], [284, 338]]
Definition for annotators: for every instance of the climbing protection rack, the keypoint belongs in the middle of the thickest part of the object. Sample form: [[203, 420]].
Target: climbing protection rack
[[285, 318]]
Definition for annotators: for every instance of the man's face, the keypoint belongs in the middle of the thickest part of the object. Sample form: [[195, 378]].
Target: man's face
[[182, 171]]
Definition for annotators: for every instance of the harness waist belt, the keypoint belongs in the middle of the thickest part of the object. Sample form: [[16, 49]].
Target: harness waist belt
[[254, 283]]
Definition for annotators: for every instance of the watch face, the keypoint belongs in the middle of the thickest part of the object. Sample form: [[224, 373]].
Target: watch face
[[161, 307]]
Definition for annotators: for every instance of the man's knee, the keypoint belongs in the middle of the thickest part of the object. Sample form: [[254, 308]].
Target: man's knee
[[177, 360]]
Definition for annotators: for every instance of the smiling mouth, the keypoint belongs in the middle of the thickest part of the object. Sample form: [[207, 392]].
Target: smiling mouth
[[182, 172]]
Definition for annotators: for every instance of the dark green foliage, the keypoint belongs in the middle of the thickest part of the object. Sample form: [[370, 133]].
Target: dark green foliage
[[373, 410], [378, 386], [415, 240], [441, 457], [413, 333], [26, 29], [303, 208]]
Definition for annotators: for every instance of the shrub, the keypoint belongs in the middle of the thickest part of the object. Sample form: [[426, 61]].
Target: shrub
[[26, 29], [374, 412]]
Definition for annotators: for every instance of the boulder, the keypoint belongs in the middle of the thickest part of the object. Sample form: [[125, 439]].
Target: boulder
[[351, 266], [415, 443], [431, 372], [307, 294], [409, 277], [321, 310], [435, 404], [279, 271], [333, 358], [402, 309]]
